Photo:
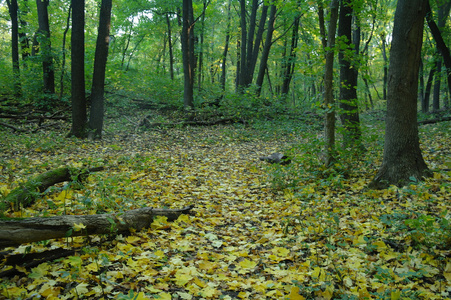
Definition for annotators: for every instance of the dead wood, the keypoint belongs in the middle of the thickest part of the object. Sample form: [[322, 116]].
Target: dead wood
[[26, 193], [230, 120], [433, 121], [16, 232], [33, 117], [12, 127]]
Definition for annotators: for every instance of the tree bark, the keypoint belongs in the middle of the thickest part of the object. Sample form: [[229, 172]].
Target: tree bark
[[171, 55], [188, 56], [266, 49], [46, 48], [13, 12], [226, 49], [349, 110], [79, 115], [27, 193], [16, 232], [289, 63], [402, 160], [441, 45], [98, 78], [329, 103]]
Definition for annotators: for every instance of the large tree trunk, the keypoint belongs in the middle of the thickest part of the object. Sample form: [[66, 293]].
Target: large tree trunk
[[46, 49], [329, 102], [98, 78], [403, 161], [16, 232], [79, 115], [27, 193], [188, 55]]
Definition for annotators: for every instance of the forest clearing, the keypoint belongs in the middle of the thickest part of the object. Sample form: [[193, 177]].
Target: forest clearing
[[259, 231]]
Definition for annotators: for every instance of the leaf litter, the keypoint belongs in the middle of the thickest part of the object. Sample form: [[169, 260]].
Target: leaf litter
[[259, 231]]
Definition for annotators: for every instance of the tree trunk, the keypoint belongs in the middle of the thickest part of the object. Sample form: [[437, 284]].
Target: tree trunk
[[46, 48], [79, 116], [188, 55], [16, 232], [329, 103], [266, 49], [27, 193], [349, 110], [171, 55], [441, 45], [226, 49], [384, 55], [13, 10], [98, 78], [250, 42], [427, 91], [402, 160], [437, 86], [63, 51], [288, 65]]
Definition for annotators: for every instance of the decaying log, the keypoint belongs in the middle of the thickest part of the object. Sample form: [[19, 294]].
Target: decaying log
[[16, 232], [27, 193], [433, 121], [146, 122]]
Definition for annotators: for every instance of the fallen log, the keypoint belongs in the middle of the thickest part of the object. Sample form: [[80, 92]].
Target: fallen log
[[28, 192], [433, 121], [223, 121], [16, 232]]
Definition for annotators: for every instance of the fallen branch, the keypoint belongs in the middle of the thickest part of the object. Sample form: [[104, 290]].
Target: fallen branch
[[12, 127], [16, 232], [27, 193], [433, 121], [146, 123]]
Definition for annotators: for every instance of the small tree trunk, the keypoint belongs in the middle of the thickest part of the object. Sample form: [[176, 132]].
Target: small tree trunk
[[46, 48], [98, 78], [188, 55], [329, 102], [79, 115]]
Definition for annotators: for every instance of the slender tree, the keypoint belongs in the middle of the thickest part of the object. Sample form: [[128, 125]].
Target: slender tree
[[441, 45], [79, 116], [46, 47], [329, 102], [188, 55], [226, 48], [98, 78], [347, 58], [266, 48], [402, 158], [13, 11]]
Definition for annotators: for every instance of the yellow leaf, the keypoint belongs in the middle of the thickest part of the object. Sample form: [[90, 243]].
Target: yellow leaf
[[132, 239], [162, 296], [279, 251], [78, 227], [294, 294], [65, 194], [395, 295], [247, 264]]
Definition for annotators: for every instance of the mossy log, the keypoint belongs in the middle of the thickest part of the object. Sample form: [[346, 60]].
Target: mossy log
[[16, 232], [28, 192]]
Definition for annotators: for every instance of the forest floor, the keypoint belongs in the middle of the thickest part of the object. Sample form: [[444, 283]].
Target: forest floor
[[259, 231]]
